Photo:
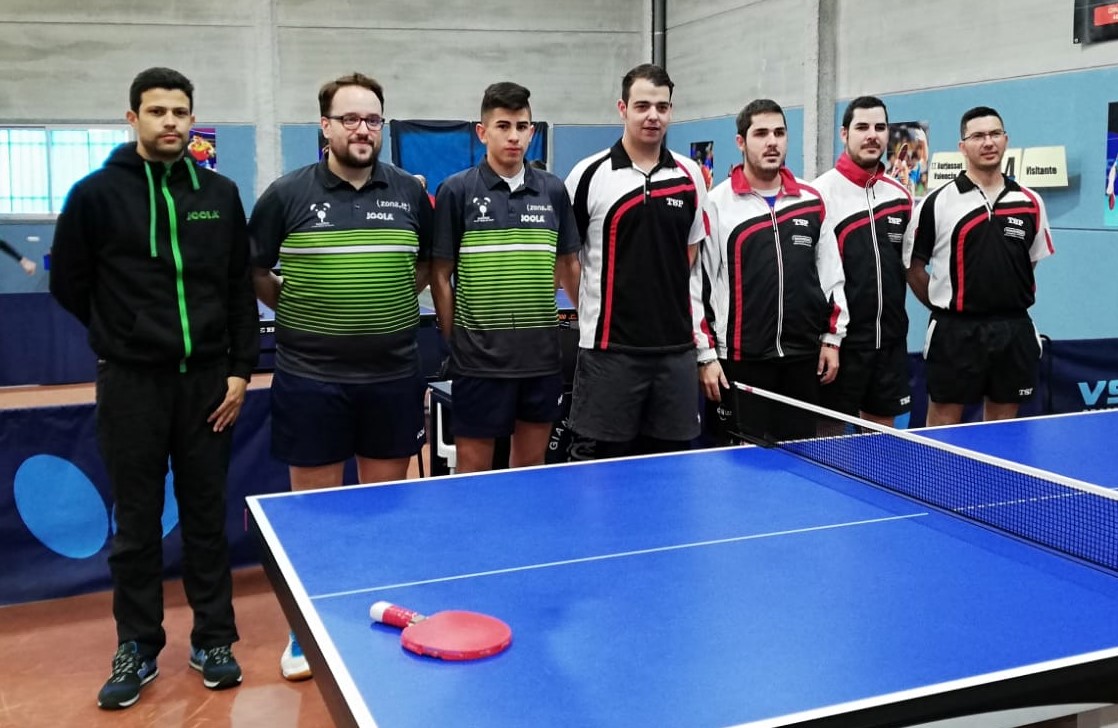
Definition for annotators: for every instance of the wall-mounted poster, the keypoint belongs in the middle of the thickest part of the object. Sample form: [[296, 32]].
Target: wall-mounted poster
[[1111, 209], [203, 147], [907, 156], [703, 154], [1094, 21]]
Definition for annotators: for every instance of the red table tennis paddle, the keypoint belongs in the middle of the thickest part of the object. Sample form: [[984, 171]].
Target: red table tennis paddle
[[449, 635]]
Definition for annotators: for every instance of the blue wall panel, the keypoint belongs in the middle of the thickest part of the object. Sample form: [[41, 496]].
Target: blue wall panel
[[570, 144], [723, 132], [299, 145], [1076, 297]]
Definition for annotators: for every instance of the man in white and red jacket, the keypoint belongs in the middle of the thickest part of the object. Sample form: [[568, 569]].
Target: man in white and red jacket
[[773, 287], [868, 213]]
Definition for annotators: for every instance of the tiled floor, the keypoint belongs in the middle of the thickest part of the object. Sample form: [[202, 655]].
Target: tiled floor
[[57, 654]]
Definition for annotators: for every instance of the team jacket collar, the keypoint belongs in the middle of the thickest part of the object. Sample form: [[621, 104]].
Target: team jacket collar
[[620, 158], [740, 185], [847, 168], [332, 181], [492, 179], [965, 184]]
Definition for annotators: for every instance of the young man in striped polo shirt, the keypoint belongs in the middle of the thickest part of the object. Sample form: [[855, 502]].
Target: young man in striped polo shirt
[[503, 231]]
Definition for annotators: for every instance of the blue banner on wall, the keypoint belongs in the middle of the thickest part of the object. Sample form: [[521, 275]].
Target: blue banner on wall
[[41, 343], [56, 502], [1083, 375], [1075, 375], [438, 149]]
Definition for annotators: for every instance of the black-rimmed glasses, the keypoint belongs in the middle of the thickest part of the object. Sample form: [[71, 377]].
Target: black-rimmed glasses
[[352, 121]]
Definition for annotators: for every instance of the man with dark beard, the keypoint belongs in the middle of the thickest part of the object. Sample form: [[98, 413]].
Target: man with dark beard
[[351, 235], [869, 213]]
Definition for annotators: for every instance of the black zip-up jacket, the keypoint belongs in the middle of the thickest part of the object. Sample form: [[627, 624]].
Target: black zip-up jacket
[[772, 273], [153, 259], [869, 213]]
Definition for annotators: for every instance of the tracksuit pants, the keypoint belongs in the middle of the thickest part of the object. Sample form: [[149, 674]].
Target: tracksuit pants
[[147, 417]]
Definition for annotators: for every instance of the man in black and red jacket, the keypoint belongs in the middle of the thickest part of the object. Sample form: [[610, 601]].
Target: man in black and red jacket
[[774, 286], [982, 235], [868, 213]]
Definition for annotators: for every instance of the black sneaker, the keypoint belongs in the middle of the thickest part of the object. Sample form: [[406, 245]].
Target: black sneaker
[[219, 669], [131, 671]]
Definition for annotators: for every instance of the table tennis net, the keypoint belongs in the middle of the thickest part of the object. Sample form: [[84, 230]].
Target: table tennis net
[[1070, 516]]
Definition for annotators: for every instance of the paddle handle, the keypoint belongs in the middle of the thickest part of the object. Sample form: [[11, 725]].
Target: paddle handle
[[394, 615]]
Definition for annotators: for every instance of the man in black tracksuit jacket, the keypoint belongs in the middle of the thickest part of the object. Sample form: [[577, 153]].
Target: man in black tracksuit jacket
[[869, 213], [774, 298], [151, 254]]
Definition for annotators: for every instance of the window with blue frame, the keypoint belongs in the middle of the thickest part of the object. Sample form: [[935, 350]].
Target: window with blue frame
[[39, 165]]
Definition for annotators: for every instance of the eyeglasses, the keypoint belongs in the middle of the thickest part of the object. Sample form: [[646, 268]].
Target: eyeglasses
[[353, 121], [980, 136]]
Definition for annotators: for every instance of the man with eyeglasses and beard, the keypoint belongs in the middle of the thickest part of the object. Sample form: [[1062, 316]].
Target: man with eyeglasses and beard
[[352, 237], [982, 235]]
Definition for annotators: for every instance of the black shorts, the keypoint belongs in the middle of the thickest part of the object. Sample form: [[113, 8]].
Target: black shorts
[[319, 423], [968, 358], [618, 397], [741, 416], [874, 381], [487, 407]]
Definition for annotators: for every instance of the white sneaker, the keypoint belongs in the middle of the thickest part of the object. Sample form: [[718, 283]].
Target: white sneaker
[[293, 664]]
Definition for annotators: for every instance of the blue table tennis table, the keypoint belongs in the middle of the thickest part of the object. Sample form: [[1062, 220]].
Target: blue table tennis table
[[738, 586]]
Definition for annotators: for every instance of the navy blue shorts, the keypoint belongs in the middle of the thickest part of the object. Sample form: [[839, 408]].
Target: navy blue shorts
[[319, 423], [486, 407]]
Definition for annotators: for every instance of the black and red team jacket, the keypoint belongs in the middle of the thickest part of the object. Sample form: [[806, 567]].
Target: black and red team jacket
[[773, 279], [869, 213]]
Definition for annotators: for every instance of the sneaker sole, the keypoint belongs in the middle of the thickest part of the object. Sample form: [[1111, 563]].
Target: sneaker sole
[[226, 682], [297, 676], [133, 701]]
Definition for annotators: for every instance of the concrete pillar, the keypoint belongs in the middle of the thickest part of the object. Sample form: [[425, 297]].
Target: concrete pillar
[[819, 86], [269, 160]]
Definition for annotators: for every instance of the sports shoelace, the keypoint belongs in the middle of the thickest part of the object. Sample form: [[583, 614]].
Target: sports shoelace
[[219, 655], [125, 664]]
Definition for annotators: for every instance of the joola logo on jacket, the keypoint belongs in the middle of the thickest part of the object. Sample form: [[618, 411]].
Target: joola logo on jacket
[[202, 215]]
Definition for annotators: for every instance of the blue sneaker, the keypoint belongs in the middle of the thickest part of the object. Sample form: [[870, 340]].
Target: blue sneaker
[[131, 671], [219, 669], [293, 664]]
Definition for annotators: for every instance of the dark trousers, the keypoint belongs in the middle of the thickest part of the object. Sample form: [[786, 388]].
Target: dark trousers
[[144, 418], [742, 415]]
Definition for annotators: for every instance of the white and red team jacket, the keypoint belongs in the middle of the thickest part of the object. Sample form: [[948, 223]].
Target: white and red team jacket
[[773, 278], [869, 213]]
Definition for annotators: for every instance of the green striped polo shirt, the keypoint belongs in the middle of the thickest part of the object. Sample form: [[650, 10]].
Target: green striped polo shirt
[[504, 245], [347, 310]]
